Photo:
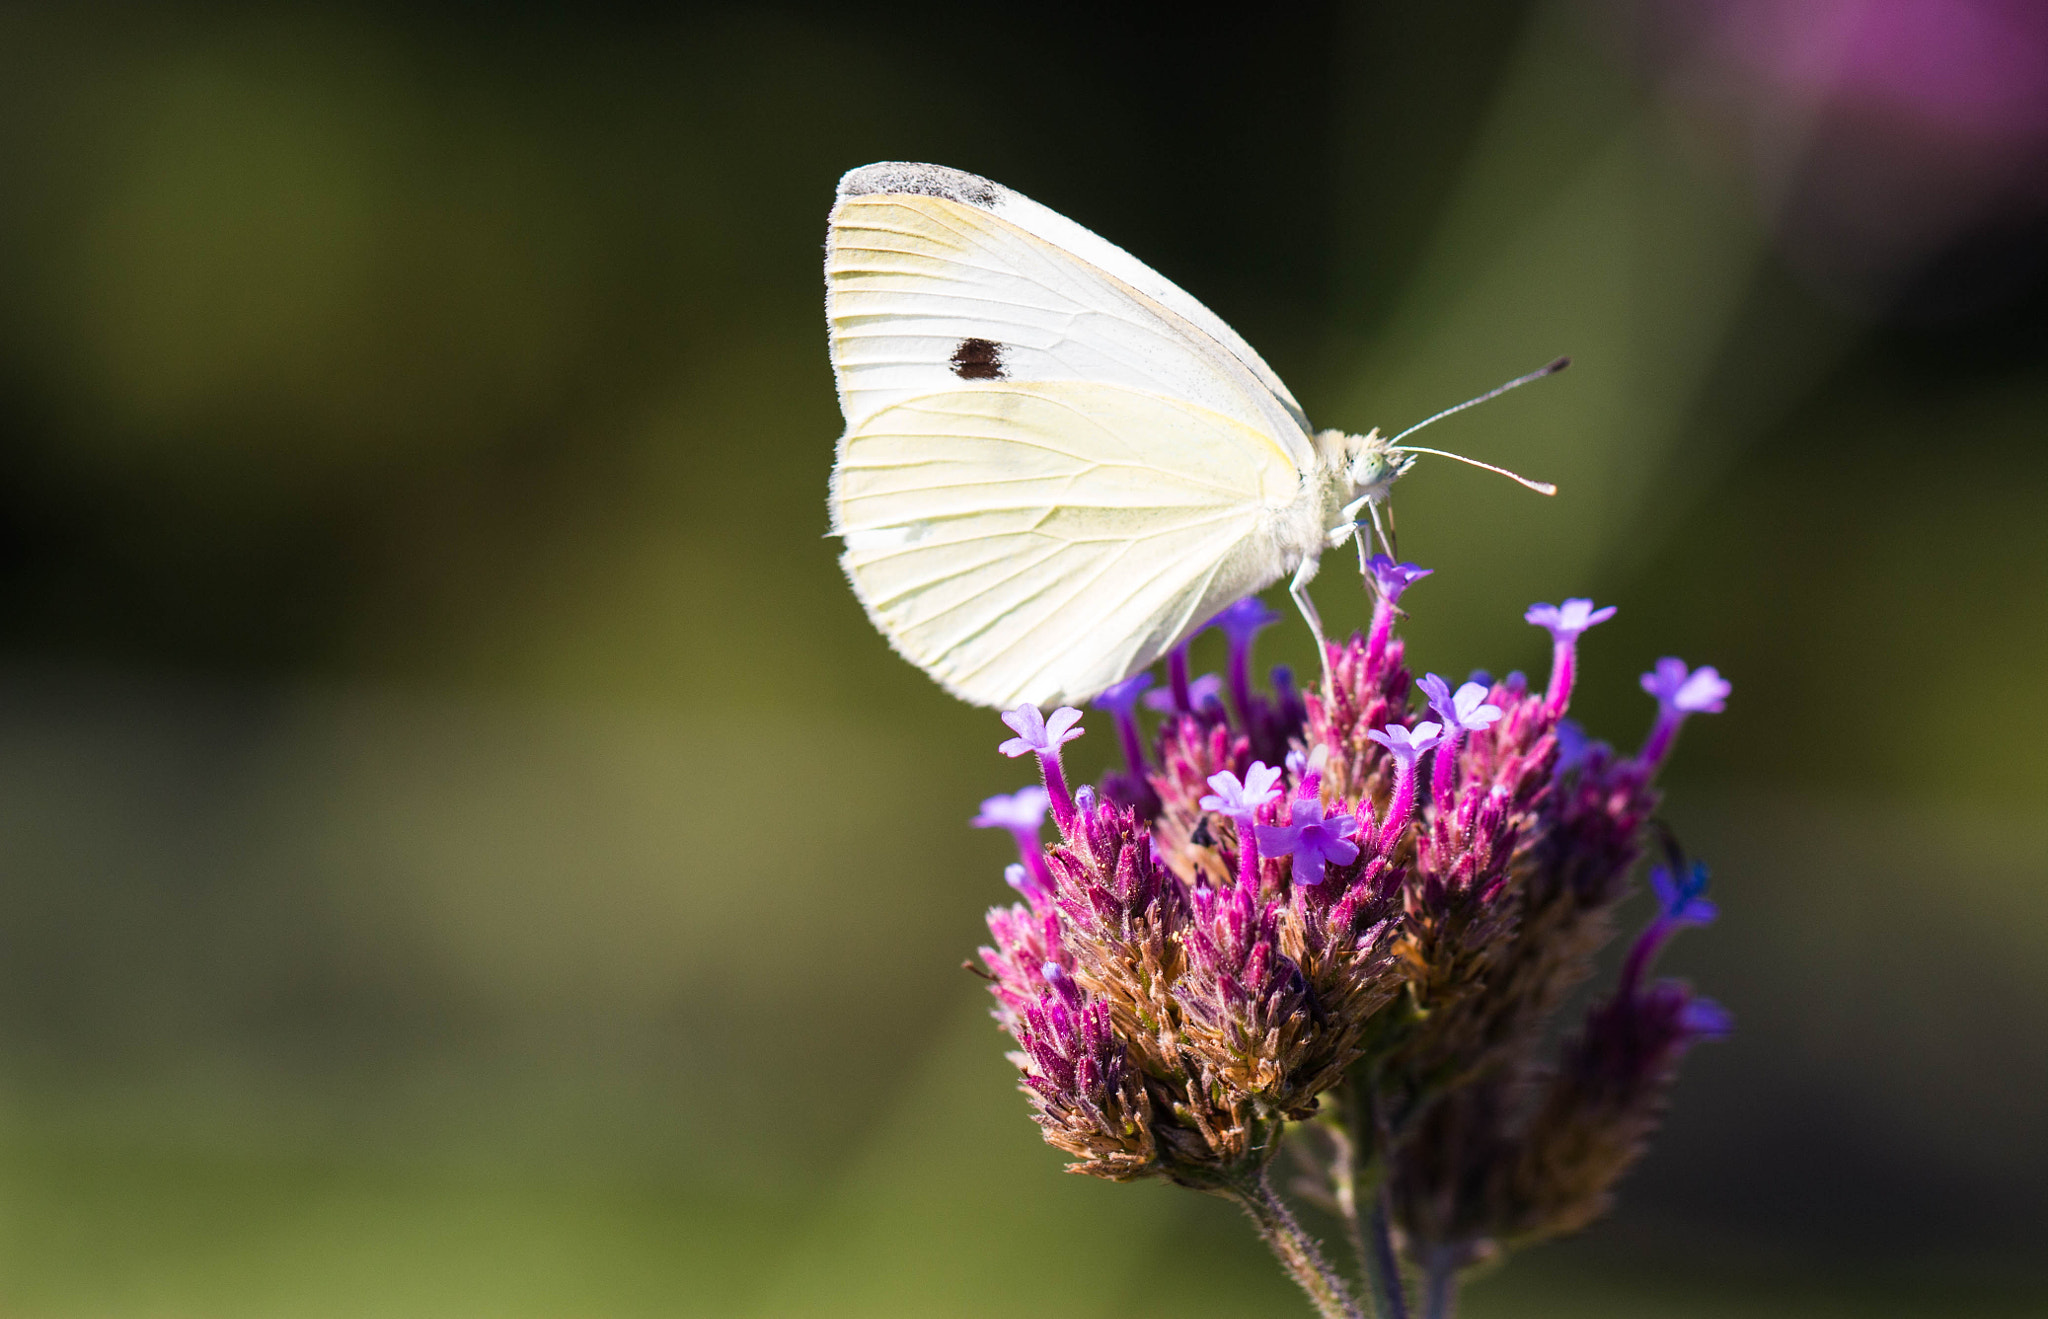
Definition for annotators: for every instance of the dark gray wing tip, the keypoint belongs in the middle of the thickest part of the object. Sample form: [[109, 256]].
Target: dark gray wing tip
[[923, 180]]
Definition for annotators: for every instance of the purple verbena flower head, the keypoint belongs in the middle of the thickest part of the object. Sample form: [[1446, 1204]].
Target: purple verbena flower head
[[1241, 801], [1683, 898], [1463, 711], [1408, 745], [1311, 839], [1686, 691], [1568, 620]]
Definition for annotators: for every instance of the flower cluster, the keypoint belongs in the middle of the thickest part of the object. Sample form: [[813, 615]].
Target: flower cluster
[[1362, 905]]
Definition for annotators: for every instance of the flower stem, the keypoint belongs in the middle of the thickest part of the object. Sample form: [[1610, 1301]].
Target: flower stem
[[1359, 1177], [1440, 1286], [1296, 1250]]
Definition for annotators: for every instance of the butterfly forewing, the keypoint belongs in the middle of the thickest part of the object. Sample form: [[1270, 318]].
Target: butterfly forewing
[[924, 291]]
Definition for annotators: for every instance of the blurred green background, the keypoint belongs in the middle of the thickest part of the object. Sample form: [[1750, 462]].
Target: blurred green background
[[463, 851]]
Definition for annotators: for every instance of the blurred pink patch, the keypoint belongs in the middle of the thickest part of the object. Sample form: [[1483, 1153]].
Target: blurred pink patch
[[1976, 67], [1882, 134]]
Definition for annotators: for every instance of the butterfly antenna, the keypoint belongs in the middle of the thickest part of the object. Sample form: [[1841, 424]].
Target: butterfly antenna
[[1491, 394], [1540, 487]]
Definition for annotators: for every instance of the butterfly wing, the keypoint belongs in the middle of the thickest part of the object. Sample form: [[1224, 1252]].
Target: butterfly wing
[[935, 277], [1037, 542]]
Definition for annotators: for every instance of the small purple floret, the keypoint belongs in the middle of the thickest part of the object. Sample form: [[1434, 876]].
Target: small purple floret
[[1464, 711], [1408, 745], [1311, 839], [1242, 623], [1687, 691], [1204, 692], [1683, 899], [1390, 578], [1021, 812], [1568, 620], [1123, 698], [1565, 623], [1043, 738], [1038, 735], [1680, 692], [1245, 620], [1705, 1019], [1121, 701], [1574, 748], [1241, 801]]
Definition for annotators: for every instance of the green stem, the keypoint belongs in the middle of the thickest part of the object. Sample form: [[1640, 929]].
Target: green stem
[[1382, 1270], [1297, 1250], [1360, 1180]]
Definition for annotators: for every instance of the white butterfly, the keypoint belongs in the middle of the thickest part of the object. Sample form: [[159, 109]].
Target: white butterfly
[[1057, 465]]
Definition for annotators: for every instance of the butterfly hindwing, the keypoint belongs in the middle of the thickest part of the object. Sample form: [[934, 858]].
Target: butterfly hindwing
[[1036, 542]]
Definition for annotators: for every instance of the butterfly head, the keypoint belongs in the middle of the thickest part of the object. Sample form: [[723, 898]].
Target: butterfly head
[[1367, 465]]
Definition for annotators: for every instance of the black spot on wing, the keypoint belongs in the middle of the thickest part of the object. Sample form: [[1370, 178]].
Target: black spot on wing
[[978, 359], [923, 180]]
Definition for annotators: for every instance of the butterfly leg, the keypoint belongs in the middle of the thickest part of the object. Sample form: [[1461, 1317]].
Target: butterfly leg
[[1386, 533], [1298, 588]]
